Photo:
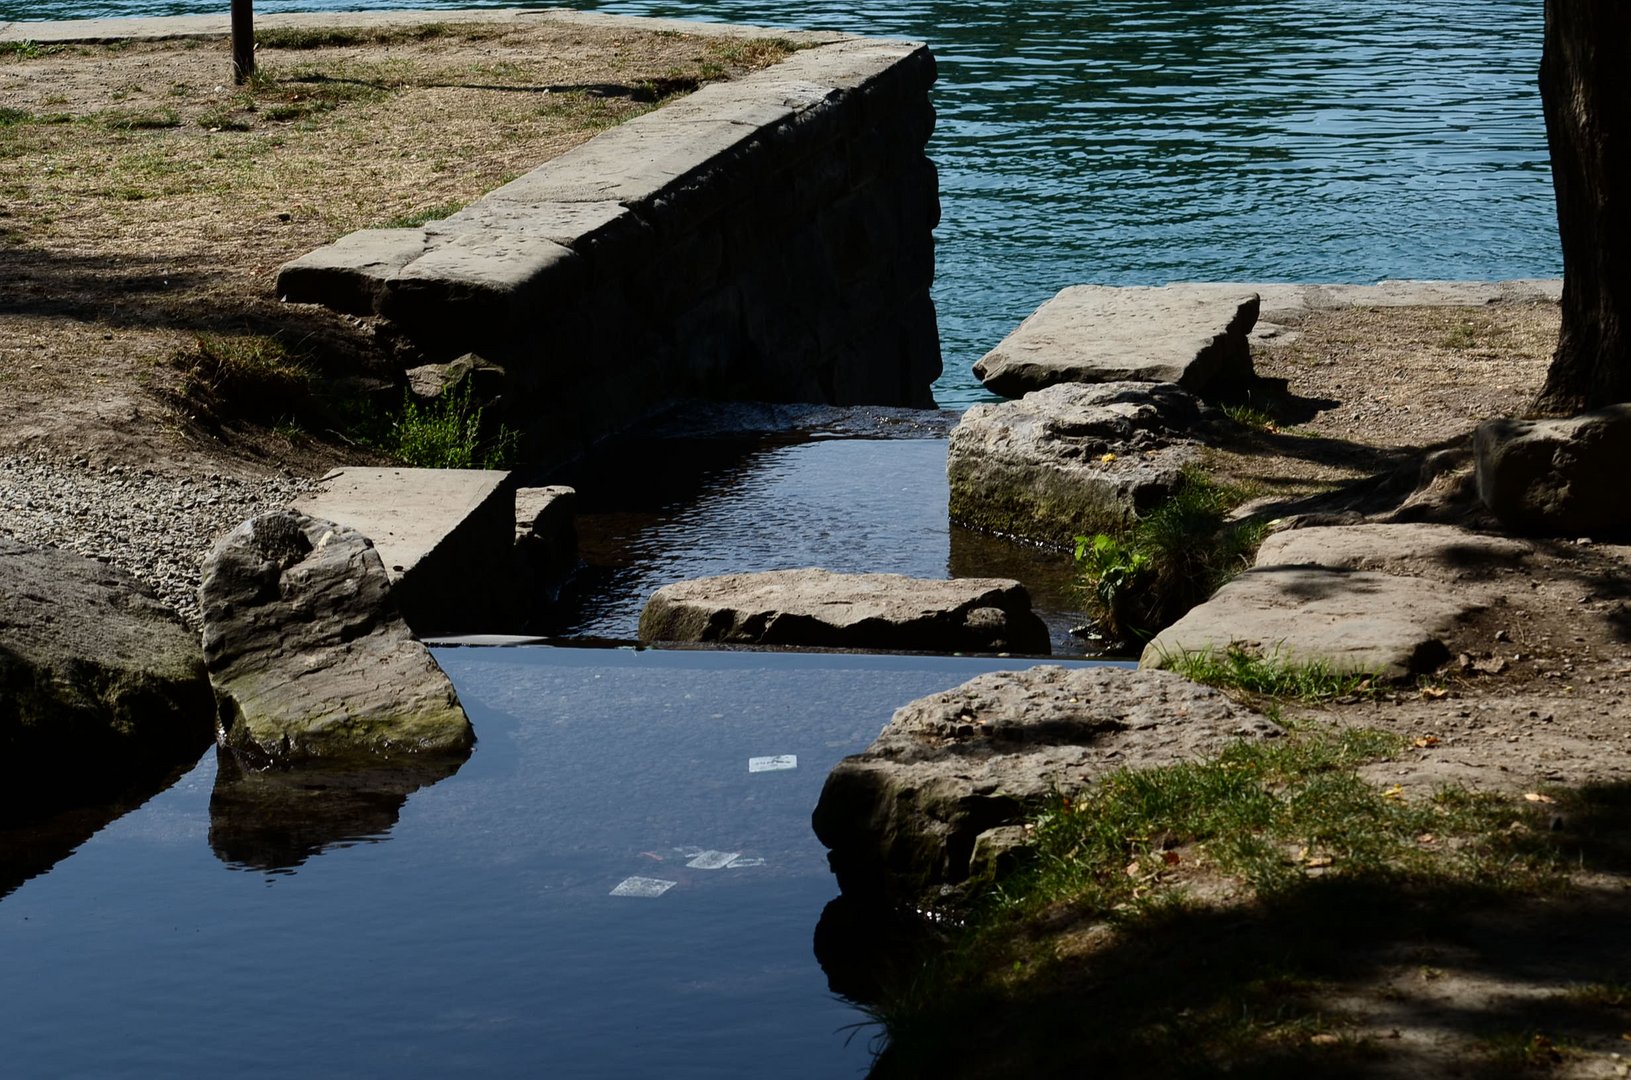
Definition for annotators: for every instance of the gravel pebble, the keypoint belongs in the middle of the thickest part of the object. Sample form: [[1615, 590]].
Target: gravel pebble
[[157, 525]]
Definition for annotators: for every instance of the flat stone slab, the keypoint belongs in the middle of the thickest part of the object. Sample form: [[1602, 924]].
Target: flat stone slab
[[439, 534], [934, 800], [822, 609], [1373, 599], [1557, 477], [1192, 335], [1071, 459]]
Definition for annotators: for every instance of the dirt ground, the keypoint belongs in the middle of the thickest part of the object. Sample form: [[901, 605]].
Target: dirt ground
[[145, 201]]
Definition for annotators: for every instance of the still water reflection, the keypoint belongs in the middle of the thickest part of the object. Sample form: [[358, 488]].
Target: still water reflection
[[477, 934]]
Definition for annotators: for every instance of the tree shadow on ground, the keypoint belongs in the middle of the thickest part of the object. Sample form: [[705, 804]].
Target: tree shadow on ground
[[1336, 976]]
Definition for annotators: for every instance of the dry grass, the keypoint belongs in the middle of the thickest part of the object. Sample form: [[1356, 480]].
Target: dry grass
[[144, 199]]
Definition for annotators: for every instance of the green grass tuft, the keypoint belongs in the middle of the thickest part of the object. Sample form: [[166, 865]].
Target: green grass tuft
[[447, 434], [420, 217], [1171, 559], [1238, 668]]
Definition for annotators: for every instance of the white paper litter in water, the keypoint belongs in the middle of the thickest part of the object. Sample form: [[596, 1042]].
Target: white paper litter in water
[[773, 764], [740, 861], [642, 886], [712, 860]]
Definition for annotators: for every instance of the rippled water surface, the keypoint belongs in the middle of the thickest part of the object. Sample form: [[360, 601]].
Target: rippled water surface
[[1141, 141]]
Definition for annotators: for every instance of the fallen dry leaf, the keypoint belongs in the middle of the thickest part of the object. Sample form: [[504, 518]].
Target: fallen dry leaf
[[1394, 792], [1535, 796], [1433, 693], [1107, 458], [1317, 861], [1325, 1038], [1133, 869], [1426, 741], [1171, 858]]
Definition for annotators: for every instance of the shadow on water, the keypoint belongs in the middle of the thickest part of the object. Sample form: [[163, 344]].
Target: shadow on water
[[274, 820], [36, 834]]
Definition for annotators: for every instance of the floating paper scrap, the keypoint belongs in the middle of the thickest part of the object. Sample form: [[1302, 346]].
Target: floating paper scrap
[[772, 764], [742, 860], [712, 860], [642, 886]]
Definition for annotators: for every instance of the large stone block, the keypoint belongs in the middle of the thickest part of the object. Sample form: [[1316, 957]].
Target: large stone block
[[1557, 477], [1071, 459], [1192, 335], [822, 609], [933, 800], [302, 639], [100, 684]]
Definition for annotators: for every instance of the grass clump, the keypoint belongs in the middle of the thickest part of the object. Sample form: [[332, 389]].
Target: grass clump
[[1136, 582], [447, 433], [26, 50], [1239, 668], [250, 378], [1194, 918], [419, 217]]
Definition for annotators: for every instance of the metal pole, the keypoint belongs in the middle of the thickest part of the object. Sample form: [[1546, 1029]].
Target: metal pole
[[243, 40]]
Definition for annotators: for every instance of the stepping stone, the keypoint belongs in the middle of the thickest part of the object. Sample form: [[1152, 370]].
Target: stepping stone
[[1192, 335], [821, 609]]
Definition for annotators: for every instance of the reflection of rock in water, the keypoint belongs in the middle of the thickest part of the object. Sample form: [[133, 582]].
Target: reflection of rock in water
[[276, 819], [869, 951], [37, 830]]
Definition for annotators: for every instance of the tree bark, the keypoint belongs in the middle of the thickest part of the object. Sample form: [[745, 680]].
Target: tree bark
[[1585, 89], [243, 40]]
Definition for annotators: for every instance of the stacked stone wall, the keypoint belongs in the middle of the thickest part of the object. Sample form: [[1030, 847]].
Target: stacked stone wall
[[768, 238]]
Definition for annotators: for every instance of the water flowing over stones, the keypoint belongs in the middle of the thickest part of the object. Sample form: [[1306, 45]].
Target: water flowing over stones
[[1192, 335], [933, 803], [303, 639], [100, 684], [1070, 459], [819, 608]]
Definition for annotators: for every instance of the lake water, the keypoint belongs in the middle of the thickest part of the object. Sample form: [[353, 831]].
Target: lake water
[[1145, 141]]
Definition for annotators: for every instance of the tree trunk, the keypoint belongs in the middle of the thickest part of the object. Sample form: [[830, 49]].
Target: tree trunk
[[1585, 88], [243, 40]]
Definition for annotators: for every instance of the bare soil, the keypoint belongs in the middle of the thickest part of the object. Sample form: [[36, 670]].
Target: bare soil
[[145, 201]]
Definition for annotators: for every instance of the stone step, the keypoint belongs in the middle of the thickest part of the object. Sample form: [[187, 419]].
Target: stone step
[[445, 535]]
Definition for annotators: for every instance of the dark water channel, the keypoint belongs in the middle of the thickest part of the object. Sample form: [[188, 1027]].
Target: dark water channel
[[472, 929]]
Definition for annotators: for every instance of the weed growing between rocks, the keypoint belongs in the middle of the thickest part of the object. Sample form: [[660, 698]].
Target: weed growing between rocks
[[1137, 582], [1202, 917], [1238, 668], [446, 433], [244, 378]]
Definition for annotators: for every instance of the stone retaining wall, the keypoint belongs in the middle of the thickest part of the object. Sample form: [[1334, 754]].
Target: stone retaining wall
[[767, 238]]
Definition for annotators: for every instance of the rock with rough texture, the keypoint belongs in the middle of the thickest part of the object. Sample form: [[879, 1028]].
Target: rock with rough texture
[[100, 684], [1071, 459], [1192, 335], [1557, 477], [935, 798], [822, 609], [301, 637], [546, 540], [1358, 598]]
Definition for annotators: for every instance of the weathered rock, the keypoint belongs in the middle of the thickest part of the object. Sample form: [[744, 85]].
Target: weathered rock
[[439, 533], [301, 637], [100, 684], [822, 609], [934, 798], [1070, 459], [1557, 477], [1192, 335], [546, 540], [1358, 598]]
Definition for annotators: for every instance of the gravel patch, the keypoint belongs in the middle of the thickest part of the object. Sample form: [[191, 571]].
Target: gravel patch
[[155, 524]]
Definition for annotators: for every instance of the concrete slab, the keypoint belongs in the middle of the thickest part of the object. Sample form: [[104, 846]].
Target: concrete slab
[[1192, 335], [445, 536]]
